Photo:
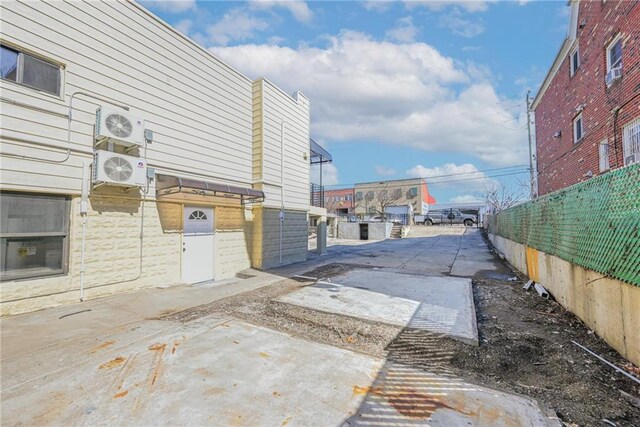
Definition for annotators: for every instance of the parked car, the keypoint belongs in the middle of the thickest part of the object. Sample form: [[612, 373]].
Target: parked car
[[449, 216], [389, 218]]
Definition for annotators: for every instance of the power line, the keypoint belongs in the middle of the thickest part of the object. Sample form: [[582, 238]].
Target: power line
[[430, 182], [480, 177]]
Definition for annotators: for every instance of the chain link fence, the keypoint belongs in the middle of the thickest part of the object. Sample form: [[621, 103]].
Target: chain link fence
[[594, 224]]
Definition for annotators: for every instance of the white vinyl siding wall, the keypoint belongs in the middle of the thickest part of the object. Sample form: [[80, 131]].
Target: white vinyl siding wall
[[278, 107], [198, 108]]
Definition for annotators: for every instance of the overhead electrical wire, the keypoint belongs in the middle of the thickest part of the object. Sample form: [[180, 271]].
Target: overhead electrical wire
[[431, 181]]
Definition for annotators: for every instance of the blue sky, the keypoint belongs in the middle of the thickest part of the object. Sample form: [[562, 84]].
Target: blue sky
[[397, 89]]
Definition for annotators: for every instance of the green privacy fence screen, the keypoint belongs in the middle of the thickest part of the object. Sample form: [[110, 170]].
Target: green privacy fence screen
[[594, 224]]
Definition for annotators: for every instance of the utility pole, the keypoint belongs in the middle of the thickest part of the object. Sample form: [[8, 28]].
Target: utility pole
[[531, 177]]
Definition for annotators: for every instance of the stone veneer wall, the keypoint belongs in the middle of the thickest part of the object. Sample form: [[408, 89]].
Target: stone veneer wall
[[295, 237]]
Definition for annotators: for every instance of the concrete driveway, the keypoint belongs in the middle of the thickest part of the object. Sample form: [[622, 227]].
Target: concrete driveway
[[123, 361]]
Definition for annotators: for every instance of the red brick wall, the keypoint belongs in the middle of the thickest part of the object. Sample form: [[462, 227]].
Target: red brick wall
[[331, 205], [560, 162]]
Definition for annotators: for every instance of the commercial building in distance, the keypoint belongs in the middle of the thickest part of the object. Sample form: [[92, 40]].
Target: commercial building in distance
[[377, 198]]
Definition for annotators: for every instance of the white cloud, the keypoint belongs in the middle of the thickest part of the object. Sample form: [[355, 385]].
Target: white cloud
[[329, 174], [466, 198], [170, 6], [461, 26], [467, 5], [404, 31], [184, 26], [377, 5], [384, 171], [299, 9], [236, 24], [450, 175], [398, 94]]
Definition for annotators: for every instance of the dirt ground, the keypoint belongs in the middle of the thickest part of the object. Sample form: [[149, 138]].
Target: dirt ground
[[525, 345]]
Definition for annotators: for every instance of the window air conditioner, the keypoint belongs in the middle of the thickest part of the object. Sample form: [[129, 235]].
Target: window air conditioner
[[117, 169], [613, 74], [119, 127]]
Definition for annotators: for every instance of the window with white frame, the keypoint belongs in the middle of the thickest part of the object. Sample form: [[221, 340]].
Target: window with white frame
[[578, 129], [359, 195], [34, 234], [614, 54], [575, 61], [604, 156], [631, 142], [29, 70]]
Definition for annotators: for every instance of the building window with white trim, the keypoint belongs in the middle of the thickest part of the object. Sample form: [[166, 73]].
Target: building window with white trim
[[578, 129], [29, 70], [604, 156], [34, 234], [614, 54], [575, 61], [631, 142]]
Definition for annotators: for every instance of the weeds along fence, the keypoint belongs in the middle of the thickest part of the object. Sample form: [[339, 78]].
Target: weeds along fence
[[594, 224]]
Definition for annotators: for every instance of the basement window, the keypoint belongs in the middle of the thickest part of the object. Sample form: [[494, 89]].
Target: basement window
[[34, 234], [29, 70], [578, 129]]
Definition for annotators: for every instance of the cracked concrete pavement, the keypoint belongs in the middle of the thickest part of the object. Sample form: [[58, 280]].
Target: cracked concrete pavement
[[115, 361]]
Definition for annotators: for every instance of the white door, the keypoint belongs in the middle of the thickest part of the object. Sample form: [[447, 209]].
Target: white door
[[197, 244]]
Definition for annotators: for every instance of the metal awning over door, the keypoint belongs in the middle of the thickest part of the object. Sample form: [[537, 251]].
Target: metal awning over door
[[172, 185]]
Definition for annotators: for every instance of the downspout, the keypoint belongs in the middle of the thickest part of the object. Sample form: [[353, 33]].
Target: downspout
[[281, 185]]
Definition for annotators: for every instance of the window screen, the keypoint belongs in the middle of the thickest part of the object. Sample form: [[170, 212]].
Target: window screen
[[33, 235], [41, 75]]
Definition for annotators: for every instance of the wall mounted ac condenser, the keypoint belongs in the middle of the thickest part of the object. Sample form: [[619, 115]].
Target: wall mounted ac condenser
[[119, 127], [118, 169]]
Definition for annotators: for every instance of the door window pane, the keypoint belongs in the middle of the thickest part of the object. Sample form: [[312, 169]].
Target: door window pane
[[41, 75], [8, 63]]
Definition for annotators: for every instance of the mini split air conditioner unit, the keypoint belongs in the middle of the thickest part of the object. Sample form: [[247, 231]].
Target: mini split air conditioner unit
[[119, 127], [613, 75], [117, 169]]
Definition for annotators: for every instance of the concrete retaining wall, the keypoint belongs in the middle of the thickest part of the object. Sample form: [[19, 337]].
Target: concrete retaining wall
[[608, 306], [377, 230]]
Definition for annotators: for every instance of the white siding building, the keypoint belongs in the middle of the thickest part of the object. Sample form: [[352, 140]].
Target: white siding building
[[216, 162]]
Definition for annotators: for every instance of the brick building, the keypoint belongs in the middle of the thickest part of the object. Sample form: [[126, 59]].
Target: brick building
[[339, 202], [587, 111]]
